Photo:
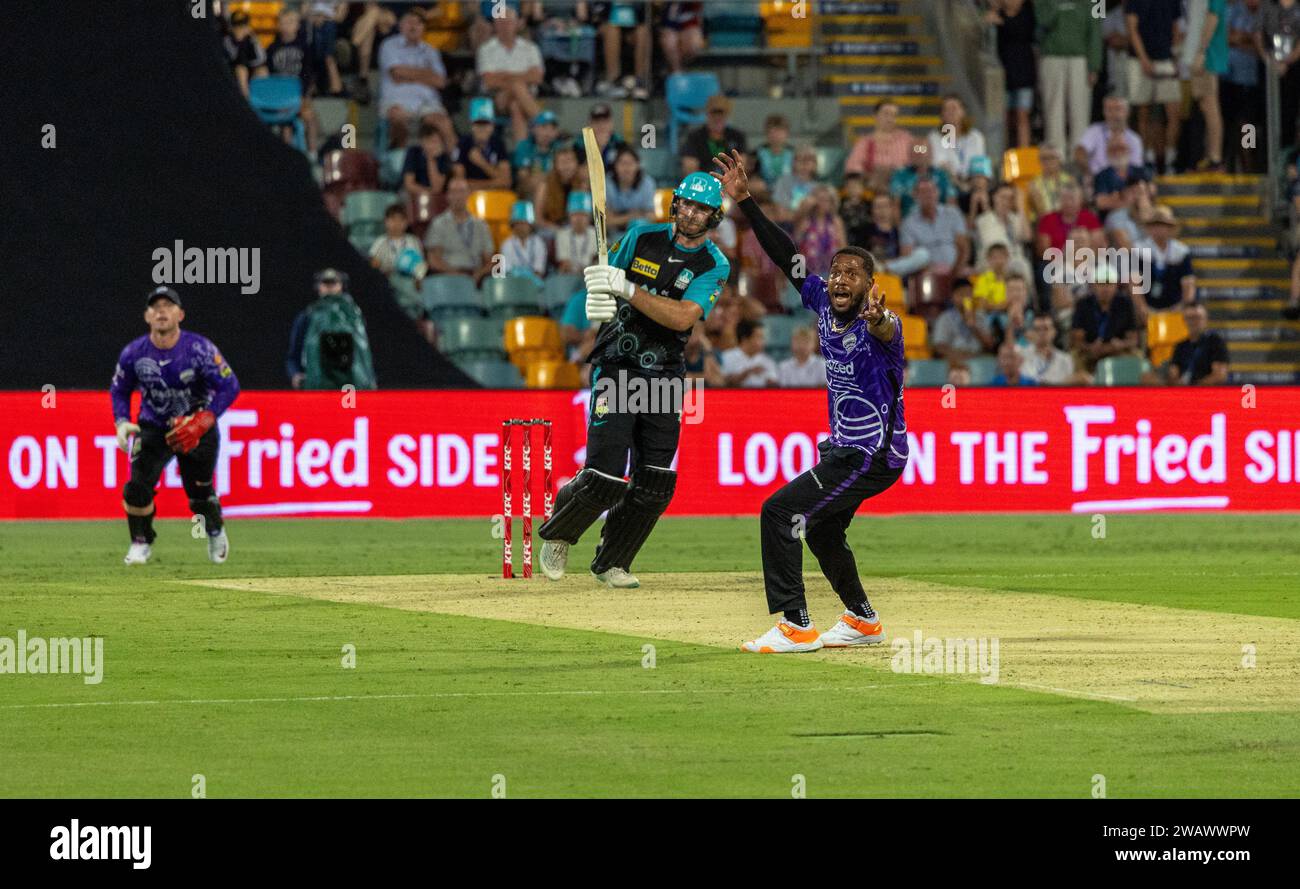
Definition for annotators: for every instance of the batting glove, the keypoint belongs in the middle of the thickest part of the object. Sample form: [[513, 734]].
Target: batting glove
[[608, 279], [126, 429], [186, 431], [601, 307]]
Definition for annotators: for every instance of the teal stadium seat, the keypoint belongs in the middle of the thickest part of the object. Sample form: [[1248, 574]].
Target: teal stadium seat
[[361, 242], [471, 339], [779, 328], [450, 296], [982, 370], [662, 165], [366, 207], [791, 301], [733, 25], [558, 290], [390, 169], [510, 296], [830, 163], [687, 94], [927, 372], [277, 101], [331, 113], [1119, 370], [492, 374], [407, 295]]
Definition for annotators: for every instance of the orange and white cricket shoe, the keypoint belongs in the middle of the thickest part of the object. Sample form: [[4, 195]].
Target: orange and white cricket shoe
[[785, 638], [852, 630]]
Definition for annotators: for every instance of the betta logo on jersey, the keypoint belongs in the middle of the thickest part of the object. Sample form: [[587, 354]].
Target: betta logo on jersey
[[645, 267]]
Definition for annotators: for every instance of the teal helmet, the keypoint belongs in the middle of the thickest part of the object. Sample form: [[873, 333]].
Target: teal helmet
[[703, 189], [579, 202], [522, 211]]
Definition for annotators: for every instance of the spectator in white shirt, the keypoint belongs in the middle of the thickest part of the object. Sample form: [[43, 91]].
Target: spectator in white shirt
[[1043, 362], [1090, 153], [747, 365], [524, 252], [575, 243], [955, 142], [510, 67], [412, 72], [397, 250], [803, 369]]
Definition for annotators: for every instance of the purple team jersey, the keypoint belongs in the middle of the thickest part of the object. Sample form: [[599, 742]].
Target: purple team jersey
[[864, 380], [188, 377]]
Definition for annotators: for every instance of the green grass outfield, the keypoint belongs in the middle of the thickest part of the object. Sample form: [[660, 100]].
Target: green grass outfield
[[246, 688]]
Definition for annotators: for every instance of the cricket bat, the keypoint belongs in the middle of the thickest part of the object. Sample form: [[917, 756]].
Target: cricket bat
[[596, 172]]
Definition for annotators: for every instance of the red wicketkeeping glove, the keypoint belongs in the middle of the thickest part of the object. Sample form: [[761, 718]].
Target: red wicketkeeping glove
[[186, 431]]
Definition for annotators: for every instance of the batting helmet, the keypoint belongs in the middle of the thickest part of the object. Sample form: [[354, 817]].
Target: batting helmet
[[703, 189]]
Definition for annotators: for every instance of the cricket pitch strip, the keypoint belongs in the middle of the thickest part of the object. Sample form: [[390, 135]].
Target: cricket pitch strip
[[1164, 660]]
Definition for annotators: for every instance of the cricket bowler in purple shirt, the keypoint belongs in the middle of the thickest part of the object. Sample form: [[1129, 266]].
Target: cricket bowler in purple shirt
[[862, 342], [184, 386]]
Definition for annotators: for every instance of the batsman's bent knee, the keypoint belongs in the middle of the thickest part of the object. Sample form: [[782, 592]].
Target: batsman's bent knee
[[580, 503], [137, 497]]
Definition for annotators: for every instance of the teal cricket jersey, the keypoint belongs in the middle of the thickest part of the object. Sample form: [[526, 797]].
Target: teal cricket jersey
[[654, 262]]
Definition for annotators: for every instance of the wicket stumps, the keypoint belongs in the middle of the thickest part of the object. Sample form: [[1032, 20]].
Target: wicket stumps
[[526, 501]]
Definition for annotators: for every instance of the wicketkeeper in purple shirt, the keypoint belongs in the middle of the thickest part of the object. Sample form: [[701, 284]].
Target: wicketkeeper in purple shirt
[[184, 386], [862, 343]]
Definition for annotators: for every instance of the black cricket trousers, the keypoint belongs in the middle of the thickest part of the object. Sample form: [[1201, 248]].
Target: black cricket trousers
[[818, 506]]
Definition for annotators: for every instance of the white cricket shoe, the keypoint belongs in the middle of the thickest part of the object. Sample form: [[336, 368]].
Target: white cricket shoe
[[555, 556], [138, 554], [218, 547], [852, 630], [618, 579], [785, 638]]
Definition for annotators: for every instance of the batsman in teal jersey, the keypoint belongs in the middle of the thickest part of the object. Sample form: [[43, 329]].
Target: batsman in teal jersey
[[661, 279]]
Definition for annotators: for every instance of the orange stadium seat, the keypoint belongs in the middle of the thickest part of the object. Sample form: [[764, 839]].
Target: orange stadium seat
[[1164, 331], [448, 14], [492, 205], [446, 26], [916, 343], [784, 28], [1020, 165], [262, 15], [892, 287], [552, 375], [663, 204], [530, 339]]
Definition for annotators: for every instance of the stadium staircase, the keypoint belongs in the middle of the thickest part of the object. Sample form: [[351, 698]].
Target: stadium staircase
[[1241, 274], [875, 50]]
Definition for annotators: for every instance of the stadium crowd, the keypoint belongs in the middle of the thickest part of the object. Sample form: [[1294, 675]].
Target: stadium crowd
[[977, 259]]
